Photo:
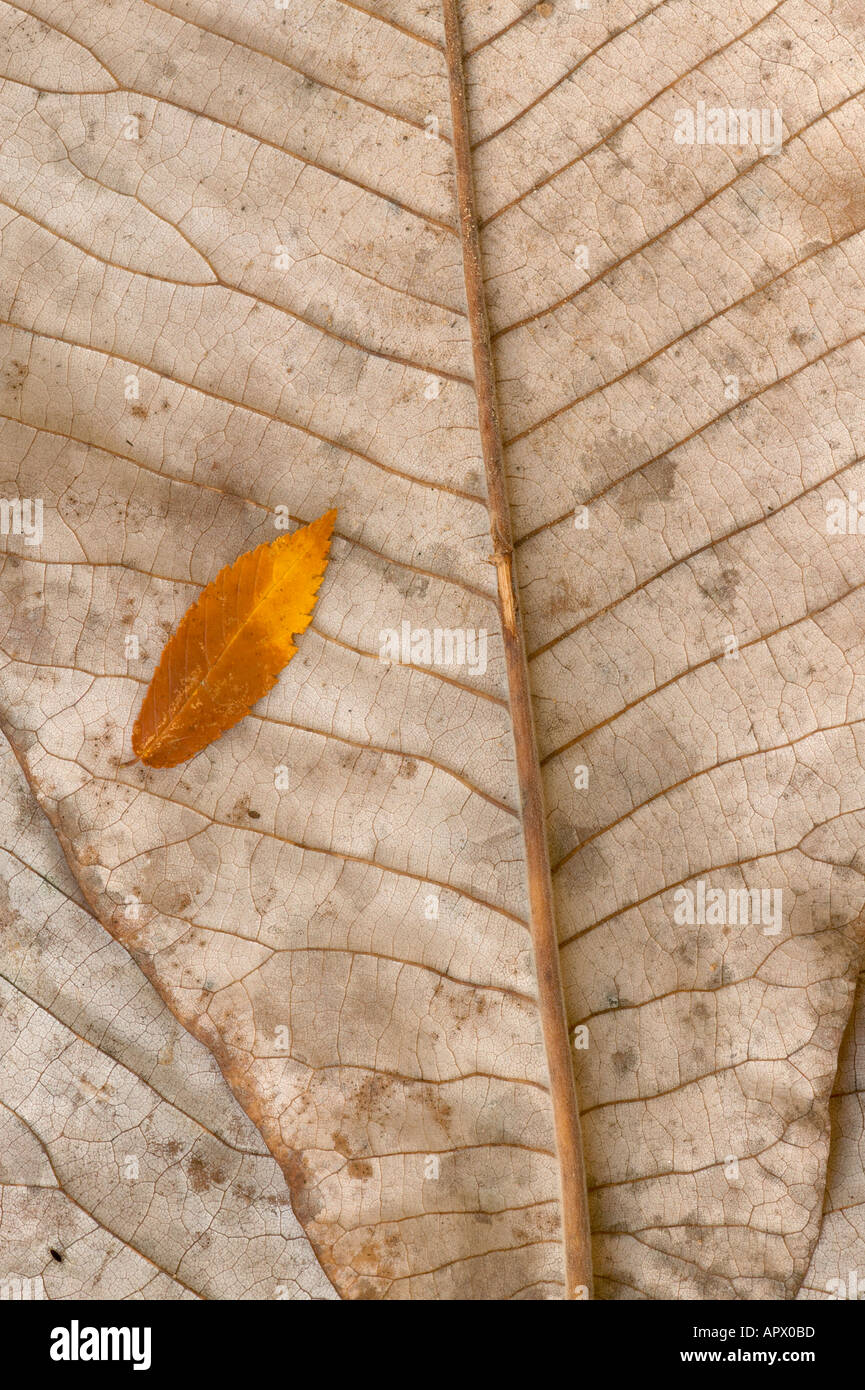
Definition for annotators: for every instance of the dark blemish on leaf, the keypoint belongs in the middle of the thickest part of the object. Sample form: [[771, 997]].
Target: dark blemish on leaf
[[203, 1176], [722, 589], [411, 585], [624, 1062], [307, 1202], [341, 1143], [564, 601], [662, 477], [17, 374], [359, 1168]]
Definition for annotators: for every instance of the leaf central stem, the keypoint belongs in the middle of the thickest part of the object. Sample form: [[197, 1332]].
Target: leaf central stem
[[576, 1233]]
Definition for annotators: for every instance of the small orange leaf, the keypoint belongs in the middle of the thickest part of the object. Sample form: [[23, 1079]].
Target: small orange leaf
[[231, 645]]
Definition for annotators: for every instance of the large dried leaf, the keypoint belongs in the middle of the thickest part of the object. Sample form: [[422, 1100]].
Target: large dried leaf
[[127, 1169], [336, 897], [837, 1268]]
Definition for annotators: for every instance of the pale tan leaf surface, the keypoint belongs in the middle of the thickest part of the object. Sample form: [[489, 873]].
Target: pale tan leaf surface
[[307, 907], [275, 260], [121, 1148], [837, 1268], [707, 519]]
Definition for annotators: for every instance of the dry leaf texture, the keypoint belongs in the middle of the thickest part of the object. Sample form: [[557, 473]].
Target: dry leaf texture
[[238, 287], [127, 1169], [837, 1268]]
